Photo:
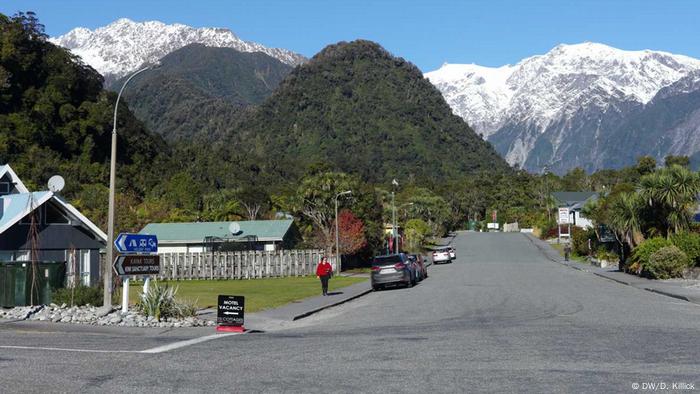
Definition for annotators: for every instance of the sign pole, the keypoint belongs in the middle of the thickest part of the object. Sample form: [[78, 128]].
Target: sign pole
[[146, 282], [125, 295]]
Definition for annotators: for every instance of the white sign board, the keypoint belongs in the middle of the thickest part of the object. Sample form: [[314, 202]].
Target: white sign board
[[563, 215], [492, 226]]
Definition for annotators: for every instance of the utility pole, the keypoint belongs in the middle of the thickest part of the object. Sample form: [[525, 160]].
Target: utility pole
[[107, 296]]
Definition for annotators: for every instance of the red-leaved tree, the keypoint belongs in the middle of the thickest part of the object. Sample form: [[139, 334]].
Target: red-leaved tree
[[352, 233]]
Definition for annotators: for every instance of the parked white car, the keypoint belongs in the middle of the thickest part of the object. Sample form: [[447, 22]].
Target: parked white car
[[441, 255]]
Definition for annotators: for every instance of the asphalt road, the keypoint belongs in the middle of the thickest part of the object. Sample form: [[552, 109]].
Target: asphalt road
[[501, 318]]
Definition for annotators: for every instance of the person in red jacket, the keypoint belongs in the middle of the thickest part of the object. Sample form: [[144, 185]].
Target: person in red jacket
[[324, 272]]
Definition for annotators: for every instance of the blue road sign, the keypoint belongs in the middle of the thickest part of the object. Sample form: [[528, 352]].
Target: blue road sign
[[136, 243]]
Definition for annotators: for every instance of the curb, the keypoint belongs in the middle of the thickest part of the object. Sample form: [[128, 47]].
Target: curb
[[668, 294], [309, 313], [615, 280]]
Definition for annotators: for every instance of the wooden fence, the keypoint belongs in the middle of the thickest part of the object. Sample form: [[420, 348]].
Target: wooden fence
[[239, 265]]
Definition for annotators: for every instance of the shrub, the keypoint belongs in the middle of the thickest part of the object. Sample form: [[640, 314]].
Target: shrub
[[689, 243], [160, 303], [579, 240], [642, 252], [78, 296], [667, 262], [607, 255]]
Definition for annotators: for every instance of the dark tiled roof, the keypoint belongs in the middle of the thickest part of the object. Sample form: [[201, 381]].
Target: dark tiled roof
[[572, 198]]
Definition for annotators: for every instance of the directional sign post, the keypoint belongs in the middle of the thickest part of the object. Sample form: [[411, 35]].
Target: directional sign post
[[230, 313], [136, 243], [130, 265], [139, 259]]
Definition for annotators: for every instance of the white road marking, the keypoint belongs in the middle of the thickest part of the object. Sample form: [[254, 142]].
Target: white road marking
[[189, 342], [155, 350], [68, 350]]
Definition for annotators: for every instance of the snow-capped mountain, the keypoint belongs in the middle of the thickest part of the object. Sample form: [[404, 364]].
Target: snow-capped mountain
[[124, 45], [557, 109]]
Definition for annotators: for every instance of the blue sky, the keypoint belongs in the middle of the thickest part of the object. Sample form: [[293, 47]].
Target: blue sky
[[427, 33]]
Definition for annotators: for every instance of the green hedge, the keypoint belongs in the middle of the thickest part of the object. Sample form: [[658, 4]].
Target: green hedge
[[81, 295], [666, 263], [642, 252], [689, 243]]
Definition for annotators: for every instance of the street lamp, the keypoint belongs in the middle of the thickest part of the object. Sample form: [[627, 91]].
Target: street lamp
[[107, 300], [337, 238], [396, 224], [545, 171]]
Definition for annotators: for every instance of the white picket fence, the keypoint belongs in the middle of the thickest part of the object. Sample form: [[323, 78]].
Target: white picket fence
[[239, 265]]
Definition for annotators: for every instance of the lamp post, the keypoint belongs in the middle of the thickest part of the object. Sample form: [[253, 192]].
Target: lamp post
[[394, 233], [337, 238], [403, 206], [545, 171], [107, 300]]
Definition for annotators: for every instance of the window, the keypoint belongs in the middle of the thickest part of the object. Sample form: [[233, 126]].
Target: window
[[6, 255], [55, 216], [22, 255], [4, 188]]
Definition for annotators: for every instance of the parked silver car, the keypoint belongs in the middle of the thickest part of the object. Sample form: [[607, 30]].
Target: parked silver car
[[392, 270]]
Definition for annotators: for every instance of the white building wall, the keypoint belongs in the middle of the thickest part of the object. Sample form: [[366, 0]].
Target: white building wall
[[582, 221], [180, 248]]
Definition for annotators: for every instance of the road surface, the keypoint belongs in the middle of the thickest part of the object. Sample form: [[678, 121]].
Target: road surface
[[501, 318]]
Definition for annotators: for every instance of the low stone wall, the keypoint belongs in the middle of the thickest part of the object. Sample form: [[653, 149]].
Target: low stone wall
[[604, 263], [96, 316]]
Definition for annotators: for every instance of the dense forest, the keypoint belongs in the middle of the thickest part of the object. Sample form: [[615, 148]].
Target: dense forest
[[358, 109], [200, 92]]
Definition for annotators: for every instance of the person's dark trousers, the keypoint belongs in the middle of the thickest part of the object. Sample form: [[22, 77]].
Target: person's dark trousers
[[324, 284]]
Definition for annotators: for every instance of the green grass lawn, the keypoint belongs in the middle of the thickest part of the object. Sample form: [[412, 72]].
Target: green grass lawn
[[259, 294]]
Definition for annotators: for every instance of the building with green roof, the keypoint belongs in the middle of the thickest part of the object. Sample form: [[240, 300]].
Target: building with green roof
[[195, 237]]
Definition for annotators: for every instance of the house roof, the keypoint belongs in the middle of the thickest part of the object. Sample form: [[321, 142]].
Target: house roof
[[6, 169], [14, 207], [570, 199], [264, 230]]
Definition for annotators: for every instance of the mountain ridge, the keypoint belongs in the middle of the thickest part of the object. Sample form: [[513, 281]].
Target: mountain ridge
[[538, 104], [123, 45]]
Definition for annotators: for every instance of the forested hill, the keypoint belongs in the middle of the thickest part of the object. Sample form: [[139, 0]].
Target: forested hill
[[356, 108], [200, 91], [55, 118]]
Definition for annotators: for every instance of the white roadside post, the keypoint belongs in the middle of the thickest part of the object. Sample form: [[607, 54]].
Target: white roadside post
[[125, 295], [146, 282]]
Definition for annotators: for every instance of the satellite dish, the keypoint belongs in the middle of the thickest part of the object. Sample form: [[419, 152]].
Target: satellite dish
[[56, 183], [234, 228]]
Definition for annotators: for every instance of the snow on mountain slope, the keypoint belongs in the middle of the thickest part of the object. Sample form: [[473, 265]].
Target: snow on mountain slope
[[541, 94], [124, 45]]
